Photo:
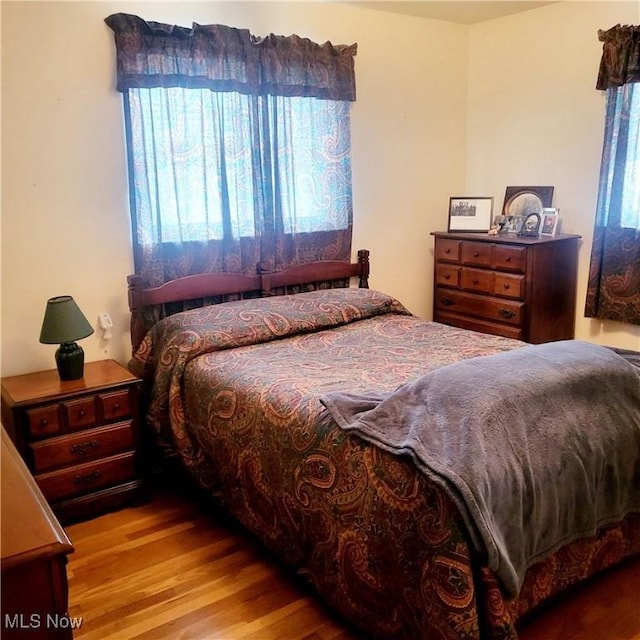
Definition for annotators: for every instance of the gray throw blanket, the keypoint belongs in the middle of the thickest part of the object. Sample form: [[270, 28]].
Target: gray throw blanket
[[537, 446]]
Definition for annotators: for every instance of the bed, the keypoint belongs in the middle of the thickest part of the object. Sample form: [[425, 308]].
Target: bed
[[263, 393]]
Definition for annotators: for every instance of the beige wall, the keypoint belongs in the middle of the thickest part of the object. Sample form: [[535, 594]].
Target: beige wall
[[65, 219], [534, 118]]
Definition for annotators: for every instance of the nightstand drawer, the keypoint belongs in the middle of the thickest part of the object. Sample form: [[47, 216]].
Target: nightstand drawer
[[82, 478], [43, 421], [115, 405], [88, 445], [80, 413]]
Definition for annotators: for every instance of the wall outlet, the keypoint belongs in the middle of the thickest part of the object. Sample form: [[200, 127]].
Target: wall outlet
[[106, 324], [105, 321]]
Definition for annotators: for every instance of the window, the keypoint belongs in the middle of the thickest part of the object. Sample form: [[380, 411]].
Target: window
[[621, 165], [201, 158], [613, 290], [239, 147]]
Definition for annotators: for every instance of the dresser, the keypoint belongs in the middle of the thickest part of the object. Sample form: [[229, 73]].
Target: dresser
[[34, 558], [79, 438], [517, 287]]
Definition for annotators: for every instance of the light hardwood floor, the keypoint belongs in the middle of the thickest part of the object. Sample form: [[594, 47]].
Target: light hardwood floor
[[176, 569]]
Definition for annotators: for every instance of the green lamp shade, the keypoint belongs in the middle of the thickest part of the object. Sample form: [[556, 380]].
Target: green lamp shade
[[63, 324]]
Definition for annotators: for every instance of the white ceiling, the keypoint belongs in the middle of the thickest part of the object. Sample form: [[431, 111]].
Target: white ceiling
[[462, 11]]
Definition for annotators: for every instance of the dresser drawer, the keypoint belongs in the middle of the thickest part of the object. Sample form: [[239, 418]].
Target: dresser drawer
[[478, 280], [44, 421], [509, 286], [448, 275], [88, 445], [479, 324], [495, 309], [82, 478], [448, 250], [509, 258], [476, 253]]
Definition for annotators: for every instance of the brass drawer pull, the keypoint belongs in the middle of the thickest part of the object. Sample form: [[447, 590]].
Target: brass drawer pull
[[507, 259], [475, 281], [447, 250], [447, 302], [507, 285], [475, 254], [88, 478], [82, 448], [44, 422], [447, 276], [505, 313]]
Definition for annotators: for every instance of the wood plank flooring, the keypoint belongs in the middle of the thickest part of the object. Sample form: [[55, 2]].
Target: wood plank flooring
[[177, 569]]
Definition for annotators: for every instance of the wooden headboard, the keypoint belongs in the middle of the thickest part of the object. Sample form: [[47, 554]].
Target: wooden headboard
[[205, 286]]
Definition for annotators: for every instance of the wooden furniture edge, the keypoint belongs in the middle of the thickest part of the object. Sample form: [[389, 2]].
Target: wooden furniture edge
[[17, 478], [504, 237]]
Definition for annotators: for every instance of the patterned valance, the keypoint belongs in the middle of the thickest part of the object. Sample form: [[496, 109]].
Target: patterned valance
[[222, 58], [620, 63]]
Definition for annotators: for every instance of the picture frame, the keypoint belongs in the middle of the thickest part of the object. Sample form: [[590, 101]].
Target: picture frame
[[550, 222], [470, 214], [531, 226], [521, 201], [513, 224]]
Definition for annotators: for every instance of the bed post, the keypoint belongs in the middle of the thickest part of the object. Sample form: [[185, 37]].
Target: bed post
[[137, 328], [363, 263]]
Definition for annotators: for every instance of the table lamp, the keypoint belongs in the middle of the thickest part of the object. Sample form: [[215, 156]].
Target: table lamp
[[63, 324]]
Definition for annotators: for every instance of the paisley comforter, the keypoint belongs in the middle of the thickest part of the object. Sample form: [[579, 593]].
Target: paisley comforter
[[235, 388]]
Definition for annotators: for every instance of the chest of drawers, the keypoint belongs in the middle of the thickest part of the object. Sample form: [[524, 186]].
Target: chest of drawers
[[522, 288], [79, 438]]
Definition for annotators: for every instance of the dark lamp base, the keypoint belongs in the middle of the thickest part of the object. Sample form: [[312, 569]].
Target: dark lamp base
[[70, 361]]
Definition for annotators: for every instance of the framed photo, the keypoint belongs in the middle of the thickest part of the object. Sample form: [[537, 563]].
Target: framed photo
[[470, 214], [550, 220], [521, 201], [531, 226], [513, 224]]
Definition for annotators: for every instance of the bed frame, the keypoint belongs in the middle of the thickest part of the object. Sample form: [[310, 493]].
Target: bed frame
[[311, 275]]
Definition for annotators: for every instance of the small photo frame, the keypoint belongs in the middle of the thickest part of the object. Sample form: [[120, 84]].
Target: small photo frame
[[513, 224], [531, 226], [471, 214], [550, 220]]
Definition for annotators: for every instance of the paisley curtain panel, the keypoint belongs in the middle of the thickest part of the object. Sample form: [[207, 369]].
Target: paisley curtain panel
[[239, 147], [613, 291]]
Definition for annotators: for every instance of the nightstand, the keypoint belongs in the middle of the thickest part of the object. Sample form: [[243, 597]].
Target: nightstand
[[79, 438]]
